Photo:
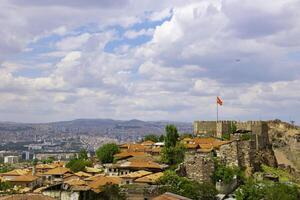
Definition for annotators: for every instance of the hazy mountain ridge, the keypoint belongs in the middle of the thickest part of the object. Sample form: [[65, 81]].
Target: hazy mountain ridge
[[119, 129]]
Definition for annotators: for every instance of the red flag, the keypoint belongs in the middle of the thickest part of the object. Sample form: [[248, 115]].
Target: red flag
[[219, 101]]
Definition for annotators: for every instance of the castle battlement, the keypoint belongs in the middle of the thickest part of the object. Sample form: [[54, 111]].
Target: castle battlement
[[219, 128]]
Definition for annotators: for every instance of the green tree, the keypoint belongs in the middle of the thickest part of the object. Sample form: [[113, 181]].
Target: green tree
[[151, 137], [111, 192], [257, 190], [171, 136], [77, 165], [83, 154], [106, 152], [224, 173], [173, 155], [161, 138], [182, 186], [4, 186], [6, 168]]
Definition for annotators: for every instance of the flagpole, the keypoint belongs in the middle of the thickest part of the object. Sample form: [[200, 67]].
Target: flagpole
[[217, 111]]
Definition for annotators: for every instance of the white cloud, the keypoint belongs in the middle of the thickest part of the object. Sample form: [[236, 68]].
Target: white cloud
[[205, 49]]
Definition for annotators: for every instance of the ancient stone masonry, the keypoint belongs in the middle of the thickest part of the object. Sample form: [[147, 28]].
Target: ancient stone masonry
[[198, 167], [239, 153], [228, 154], [216, 129]]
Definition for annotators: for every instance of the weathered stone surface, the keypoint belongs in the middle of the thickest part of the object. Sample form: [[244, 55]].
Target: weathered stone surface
[[198, 167]]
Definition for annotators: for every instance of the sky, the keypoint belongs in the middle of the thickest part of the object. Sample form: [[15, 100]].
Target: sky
[[149, 60]]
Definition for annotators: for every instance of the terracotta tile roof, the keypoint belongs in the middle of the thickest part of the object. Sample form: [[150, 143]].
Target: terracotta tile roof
[[217, 144], [104, 180], [154, 150], [152, 178], [206, 146], [141, 159], [45, 166], [57, 171], [191, 146], [187, 139], [24, 178], [93, 178], [126, 154], [16, 172], [92, 170], [75, 182], [137, 174], [82, 174], [148, 143], [134, 147], [27, 197], [207, 140], [170, 196], [141, 165]]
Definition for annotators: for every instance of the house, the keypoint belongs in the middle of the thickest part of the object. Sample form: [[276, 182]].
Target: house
[[92, 171], [82, 175], [11, 159], [56, 175], [28, 181], [149, 179], [102, 181], [14, 173], [27, 197], [129, 178], [126, 167], [42, 168], [71, 190], [170, 196]]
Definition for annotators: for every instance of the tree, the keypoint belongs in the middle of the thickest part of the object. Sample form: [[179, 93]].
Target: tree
[[182, 186], [151, 137], [106, 152], [111, 192], [77, 165], [173, 155], [257, 190], [224, 173], [171, 136], [83, 154], [161, 138], [4, 186]]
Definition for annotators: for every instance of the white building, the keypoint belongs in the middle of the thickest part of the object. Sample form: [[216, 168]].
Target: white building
[[11, 159]]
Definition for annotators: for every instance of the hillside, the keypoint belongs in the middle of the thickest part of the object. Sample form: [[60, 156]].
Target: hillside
[[285, 138], [116, 129]]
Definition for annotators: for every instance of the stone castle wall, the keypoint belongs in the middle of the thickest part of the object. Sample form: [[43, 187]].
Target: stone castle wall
[[228, 154], [198, 167], [205, 128], [217, 129]]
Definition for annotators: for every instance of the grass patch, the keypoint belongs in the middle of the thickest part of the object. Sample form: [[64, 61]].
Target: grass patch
[[284, 176]]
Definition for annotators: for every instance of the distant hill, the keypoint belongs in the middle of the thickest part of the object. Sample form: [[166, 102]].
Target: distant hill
[[118, 129]]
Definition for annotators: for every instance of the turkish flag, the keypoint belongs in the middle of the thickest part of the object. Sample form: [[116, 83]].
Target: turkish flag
[[219, 101]]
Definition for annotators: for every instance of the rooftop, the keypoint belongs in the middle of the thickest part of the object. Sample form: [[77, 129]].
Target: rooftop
[[152, 178], [57, 171]]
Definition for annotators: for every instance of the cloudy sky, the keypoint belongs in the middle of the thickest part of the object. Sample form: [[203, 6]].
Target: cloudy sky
[[149, 60]]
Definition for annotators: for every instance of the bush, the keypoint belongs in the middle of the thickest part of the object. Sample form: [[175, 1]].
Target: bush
[[111, 192], [185, 187], [4, 186], [246, 136], [77, 165], [151, 137], [173, 155], [226, 174], [106, 152], [254, 190], [226, 136]]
